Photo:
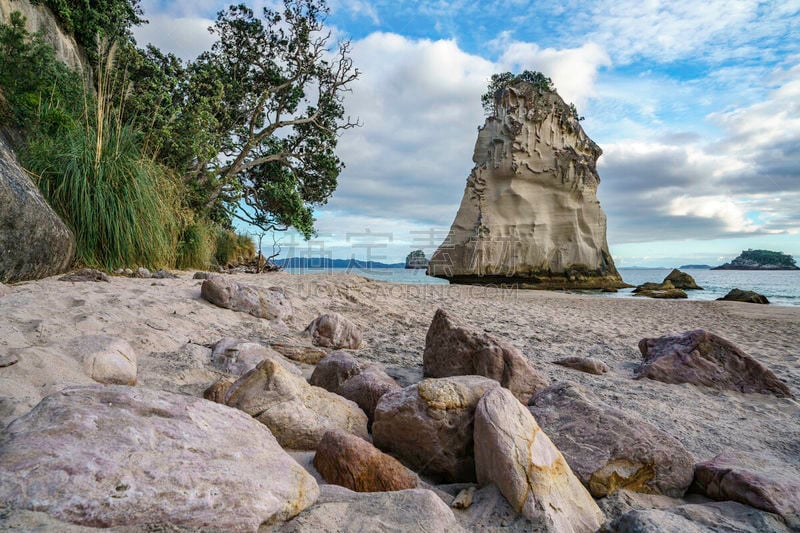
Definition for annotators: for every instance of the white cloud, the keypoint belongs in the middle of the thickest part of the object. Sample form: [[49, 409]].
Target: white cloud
[[186, 37], [723, 208]]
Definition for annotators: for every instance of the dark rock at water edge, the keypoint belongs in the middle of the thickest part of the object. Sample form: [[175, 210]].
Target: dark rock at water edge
[[738, 295], [682, 280], [34, 241], [664, 290]]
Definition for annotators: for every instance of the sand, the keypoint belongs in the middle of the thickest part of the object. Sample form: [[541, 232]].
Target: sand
[[171, 328]]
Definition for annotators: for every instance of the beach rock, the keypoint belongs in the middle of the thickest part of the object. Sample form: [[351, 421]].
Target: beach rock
[[163, 274], [367, 388], [107, 456], [86, 274], [513, 453], [216, 391], [453, 349], [107, 359], [4, 291], [530, 216], [335, 369], [737, 295], [332, 330], [729, 517], [682, 280], [463, 499], [224, 292], [239, 356], [609, 450], [128, 272], [753, 480], [702, 358], [350, 461], [344, 511], [589, 365], [34, 242], [429, 426], [142, 273], [201, 275], [309, 355], [298, 414], [664, 290]]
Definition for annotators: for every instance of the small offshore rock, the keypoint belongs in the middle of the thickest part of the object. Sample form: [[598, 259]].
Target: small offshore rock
[[108, 359], [589, 365], [702, 358], [350, 461], [513, 453], [682, 280], [453, 349], [86, 274], [270, 304], [429, 426], [310, 355], [216, 391], [333, 330], [737, 295]]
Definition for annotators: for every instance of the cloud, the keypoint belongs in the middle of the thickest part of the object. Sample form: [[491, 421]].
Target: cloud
[[186, 37]]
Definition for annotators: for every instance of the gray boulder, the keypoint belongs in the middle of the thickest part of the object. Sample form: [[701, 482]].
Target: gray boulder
[[722, 517], [239, 356], [34, 242], [222, 291], [107, 359], [335, 369], [108, 456], [750, 297], [333, 330]]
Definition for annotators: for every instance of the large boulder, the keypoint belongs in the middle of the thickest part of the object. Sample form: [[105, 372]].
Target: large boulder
[[107, 359], [107, 456], [34, 242], [367, 388], [702, 358], [682, 280], [298, 414], [453, 349], [240, 356], [750, 297], [350, 461], [344, 511], [332, 330], [609, 450], [512, 452], [529, 215], [753, 480], [272, 304], [713, 517], [335, 369], [429, 426]]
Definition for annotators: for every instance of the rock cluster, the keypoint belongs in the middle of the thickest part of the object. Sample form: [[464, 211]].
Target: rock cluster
[[530, 215]]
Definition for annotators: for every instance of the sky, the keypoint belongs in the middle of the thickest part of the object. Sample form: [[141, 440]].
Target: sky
[[696, 106]]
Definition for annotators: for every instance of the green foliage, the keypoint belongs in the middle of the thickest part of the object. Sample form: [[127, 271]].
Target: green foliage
[[230, 247], [766, 257], [196, 246], [539, 81]]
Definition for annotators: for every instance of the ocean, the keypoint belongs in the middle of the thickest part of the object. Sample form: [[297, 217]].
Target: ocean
[[782, 287]]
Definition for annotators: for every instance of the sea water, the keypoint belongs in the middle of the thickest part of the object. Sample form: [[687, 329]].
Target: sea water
[[782, 287]]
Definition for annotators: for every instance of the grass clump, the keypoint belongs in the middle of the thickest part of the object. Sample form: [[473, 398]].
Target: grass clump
[[232, 247], [196, 247]]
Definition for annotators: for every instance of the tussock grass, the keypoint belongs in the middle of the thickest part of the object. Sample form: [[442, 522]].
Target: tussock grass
[[196, 247]]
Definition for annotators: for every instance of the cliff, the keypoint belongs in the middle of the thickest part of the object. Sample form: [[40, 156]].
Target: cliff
[[530, 215], [760, 260]]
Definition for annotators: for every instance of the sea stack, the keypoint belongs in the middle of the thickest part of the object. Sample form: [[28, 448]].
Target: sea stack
[[530, 215]]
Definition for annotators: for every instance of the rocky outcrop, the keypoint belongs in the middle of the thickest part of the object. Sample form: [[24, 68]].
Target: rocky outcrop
[[344, 511], [416, 260], [350, 461], [760, 260], [332, 330], [752, 480], [34, 242], [609, 450], [453, 349], [590, 365], [530, 215], [107, 359], [272, 303], [750, 297], [702, 358], [682, 280], [512, 452], [429, 426], [107, 456], [664, 290], [298, 414]]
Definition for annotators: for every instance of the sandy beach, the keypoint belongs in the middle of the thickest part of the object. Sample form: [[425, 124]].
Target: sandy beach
[[171, 328]]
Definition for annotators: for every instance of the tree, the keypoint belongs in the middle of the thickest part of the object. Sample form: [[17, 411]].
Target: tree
[[275, 91]]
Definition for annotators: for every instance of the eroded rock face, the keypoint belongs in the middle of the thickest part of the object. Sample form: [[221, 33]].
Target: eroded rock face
[[530, 214], [298, 414], [429, 425], [121, 456], [752, 480], [332, 330], [512, 452], [350, 461], [702, 358], [589, 365], [453, 349], [271, 304], [609, 450], [34, 242]]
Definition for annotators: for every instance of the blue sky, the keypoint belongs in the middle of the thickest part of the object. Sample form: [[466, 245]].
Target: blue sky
[[695, 104]]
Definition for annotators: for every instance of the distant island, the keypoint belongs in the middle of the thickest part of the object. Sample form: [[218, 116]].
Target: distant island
[[324, 263], [760, 260], [416, 260], [696, 267]]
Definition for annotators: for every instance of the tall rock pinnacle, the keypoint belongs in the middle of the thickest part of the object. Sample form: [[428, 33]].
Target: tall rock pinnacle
[[530, 214]]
